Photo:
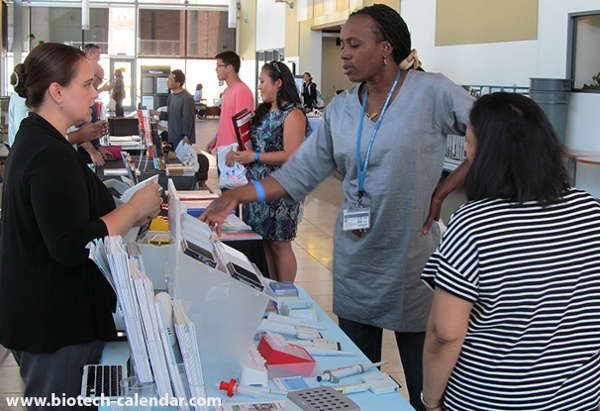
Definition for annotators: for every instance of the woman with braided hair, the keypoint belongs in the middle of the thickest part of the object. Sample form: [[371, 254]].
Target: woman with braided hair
[[387, 136]]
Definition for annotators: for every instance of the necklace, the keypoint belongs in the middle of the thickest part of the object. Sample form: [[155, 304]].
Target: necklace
[[375, 114]]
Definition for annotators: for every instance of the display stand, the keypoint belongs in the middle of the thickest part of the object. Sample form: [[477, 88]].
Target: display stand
[[225, 311]]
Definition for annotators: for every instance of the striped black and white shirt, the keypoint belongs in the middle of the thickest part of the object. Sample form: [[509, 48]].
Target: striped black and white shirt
[[533, 276]]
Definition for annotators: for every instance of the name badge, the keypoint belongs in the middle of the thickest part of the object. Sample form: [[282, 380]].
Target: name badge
[[357, 219]]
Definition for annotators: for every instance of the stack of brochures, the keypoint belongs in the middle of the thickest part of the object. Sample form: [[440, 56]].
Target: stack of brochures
[[118, 261], [149, 323], [186, 336]]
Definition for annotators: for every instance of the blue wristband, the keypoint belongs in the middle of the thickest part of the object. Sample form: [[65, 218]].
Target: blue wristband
[[260, 192], [256, 158]]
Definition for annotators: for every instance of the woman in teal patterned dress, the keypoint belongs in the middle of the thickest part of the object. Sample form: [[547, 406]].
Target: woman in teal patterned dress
[[278, 128]]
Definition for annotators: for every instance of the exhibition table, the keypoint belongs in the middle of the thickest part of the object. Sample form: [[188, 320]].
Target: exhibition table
[[116, 352]]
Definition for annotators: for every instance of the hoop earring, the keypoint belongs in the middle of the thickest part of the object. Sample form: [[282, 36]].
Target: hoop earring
[[385, 61]]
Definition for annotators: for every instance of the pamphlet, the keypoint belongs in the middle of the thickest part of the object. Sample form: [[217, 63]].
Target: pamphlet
[[241, 124], [187, 155], [126, 196]]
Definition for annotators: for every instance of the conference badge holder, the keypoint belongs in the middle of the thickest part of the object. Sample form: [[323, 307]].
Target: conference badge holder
[[357, 218]]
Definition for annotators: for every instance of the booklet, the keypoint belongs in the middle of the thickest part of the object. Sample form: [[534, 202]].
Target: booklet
[[187, 155], [241, 124], [126, 196]]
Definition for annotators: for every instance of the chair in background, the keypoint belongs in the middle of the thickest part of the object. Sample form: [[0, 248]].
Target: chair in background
[[201, 109]]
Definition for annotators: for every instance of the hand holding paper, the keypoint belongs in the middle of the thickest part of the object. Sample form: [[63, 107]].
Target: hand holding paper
[[187, 155]]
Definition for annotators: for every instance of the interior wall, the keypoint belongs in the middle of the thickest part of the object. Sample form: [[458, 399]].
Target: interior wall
[[332, 74], [514, 62], [476, 21], [292, 33], [246, 27], [311, 45], [270, 25]]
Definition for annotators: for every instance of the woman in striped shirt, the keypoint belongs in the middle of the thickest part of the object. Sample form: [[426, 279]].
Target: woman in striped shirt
[[515, 320]]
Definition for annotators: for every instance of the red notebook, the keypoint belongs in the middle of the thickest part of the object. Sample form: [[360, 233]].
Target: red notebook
[[241, 125]]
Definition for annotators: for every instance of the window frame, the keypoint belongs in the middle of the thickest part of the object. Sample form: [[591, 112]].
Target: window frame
[[572, 39]]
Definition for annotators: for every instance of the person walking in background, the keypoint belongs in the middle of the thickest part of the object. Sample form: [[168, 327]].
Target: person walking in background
[[55, 304], [309, 93], [278, 128], [118, 92], [236, 97], [387, 135], [515, 322]]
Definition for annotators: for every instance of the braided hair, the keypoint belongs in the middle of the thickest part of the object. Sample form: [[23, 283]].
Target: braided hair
[[389, 26]]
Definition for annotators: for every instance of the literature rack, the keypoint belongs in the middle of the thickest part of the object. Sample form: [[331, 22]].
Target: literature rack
[[226, 312], [150, 321]]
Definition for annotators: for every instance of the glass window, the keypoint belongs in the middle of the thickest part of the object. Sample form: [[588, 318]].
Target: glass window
[[584, 53], [63, 25], [121, 34], [163, 33]]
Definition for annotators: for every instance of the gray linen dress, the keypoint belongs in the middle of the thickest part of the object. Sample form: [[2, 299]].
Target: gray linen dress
[[376, 277]]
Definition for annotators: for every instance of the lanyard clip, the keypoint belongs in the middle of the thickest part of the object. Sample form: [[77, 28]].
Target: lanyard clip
[[361, 193]]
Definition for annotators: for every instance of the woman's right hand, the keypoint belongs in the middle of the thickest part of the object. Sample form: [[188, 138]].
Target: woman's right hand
[[216, 213], [147, 201]]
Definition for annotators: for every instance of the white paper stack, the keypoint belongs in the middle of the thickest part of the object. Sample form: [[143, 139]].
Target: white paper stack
[[186, 336], [174, 372], [119, 265], [145, 298], [187, 155]]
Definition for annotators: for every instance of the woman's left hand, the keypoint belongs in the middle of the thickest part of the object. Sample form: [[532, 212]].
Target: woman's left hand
[[244, 157], [435, 209]]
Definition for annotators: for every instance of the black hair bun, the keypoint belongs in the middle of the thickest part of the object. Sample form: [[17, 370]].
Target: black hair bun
[[17, 79]]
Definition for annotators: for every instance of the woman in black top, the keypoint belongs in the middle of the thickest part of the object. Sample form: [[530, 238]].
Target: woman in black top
[[309, 93], [55, 304]]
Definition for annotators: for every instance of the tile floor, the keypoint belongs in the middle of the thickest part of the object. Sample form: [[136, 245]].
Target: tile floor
[[313, 248]]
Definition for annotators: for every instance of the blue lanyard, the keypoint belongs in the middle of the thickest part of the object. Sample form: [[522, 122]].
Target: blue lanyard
[[362, 171]]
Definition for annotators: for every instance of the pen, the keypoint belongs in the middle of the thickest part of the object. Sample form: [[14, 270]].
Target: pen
[[232, 387]]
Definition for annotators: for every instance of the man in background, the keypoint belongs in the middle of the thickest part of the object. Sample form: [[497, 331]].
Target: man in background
[[92, 53], [236, 97], [181, 121], [92, 151], [180, 113]]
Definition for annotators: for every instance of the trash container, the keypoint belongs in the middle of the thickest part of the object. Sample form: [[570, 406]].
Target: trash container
[[552, 95]]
